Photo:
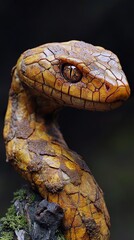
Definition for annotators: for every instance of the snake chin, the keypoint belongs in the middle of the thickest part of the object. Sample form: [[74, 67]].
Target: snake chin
[[100, 106]]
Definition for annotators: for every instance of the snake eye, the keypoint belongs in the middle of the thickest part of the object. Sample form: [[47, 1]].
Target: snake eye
[[71, 73]]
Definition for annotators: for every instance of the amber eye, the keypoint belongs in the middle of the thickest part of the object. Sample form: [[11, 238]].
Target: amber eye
[[71, 73]]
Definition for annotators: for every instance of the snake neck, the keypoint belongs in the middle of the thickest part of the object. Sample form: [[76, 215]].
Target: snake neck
[[37, 150], [32, 133], [32, 118]]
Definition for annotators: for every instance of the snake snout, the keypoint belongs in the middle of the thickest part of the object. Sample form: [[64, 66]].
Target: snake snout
[[122, 93]]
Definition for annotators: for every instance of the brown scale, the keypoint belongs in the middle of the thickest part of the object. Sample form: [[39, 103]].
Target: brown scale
[[46, 78]]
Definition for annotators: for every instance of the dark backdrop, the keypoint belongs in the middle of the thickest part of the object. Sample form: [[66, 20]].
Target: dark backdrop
[[105, 140]]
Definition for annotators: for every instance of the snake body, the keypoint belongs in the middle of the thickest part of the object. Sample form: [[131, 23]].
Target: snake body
[[46, 78]]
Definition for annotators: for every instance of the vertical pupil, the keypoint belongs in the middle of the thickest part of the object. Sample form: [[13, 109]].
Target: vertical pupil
[[71, 73]]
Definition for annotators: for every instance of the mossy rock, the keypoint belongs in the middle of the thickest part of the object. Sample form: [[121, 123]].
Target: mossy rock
[[20, 218]]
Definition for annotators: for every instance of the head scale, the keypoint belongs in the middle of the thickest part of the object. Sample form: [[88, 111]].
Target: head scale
[[75, 74]]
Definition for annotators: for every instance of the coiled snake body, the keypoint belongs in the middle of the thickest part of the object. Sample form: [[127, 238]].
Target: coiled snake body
[[45, 79]]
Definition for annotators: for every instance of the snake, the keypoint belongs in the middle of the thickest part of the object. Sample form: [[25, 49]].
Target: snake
[[44, 80]]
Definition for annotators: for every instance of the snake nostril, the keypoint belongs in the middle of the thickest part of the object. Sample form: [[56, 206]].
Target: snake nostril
[[107, 86]]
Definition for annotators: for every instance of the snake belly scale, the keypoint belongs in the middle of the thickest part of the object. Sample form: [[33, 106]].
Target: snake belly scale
[[46, 78]]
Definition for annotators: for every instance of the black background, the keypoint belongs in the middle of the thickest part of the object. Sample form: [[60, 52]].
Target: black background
[[105, 140]]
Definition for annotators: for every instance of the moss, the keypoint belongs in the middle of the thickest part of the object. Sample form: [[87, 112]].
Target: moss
[[23, 194], [10, 223], [20, 195], [60, 236], [31, 198], [7, 235], [13, 221]]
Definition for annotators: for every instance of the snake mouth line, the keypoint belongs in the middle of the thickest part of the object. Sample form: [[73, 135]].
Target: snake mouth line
[[79, 103], [62, 98], [97, 106]]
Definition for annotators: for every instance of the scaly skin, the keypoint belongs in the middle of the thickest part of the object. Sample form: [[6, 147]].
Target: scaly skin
[[34, 144]]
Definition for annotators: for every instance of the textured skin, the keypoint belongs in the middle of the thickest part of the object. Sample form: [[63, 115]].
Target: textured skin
[[34, 144]]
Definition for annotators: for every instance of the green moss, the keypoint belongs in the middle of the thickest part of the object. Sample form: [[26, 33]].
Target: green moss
[[60, 236], [20, 195], [7, 235], [23, 194], [10, 223], [31, 198], [13, 221]]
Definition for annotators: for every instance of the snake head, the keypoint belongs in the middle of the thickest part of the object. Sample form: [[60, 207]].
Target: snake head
[[75, 74]]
